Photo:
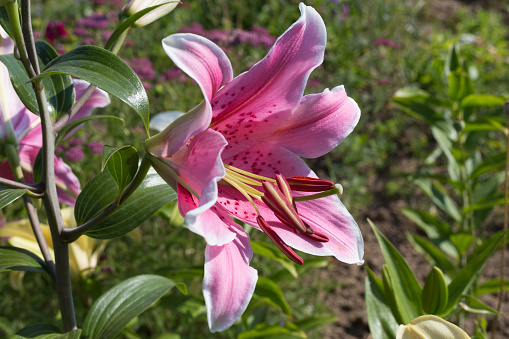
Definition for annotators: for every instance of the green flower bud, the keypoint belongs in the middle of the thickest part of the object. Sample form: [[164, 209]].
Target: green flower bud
[[434, 294]]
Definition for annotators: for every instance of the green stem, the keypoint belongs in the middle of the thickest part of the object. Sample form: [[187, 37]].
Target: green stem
[[13, 158], [13, 14]]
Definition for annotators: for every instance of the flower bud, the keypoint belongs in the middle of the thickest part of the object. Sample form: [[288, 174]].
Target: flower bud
[[430, 327], [135, 6]]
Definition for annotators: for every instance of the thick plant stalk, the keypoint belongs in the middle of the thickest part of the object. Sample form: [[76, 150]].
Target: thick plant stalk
[[50, 199], [506, 221]]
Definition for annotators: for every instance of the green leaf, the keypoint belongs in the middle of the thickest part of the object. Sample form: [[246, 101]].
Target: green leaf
[[481, 100], [151, 195], [452, 62], [485, 124], [105, 70], [96, 196], [21, 82], [45, 331], [18, 259], [59, 88], [406, 288], [389, 294], [268, 331], [491, 286], [316, 321], [268, 251], [434, 255], [468, 274], [74, 124], [434, 293], [4, 21], [441, 199], [474, 305], [9, 195], [270, 292], [125, 301], [462, 242], [122, 164], [382, 324], [495, 162], [432, 225]]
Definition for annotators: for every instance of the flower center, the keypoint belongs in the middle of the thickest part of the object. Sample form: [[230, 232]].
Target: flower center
[[277, 195]]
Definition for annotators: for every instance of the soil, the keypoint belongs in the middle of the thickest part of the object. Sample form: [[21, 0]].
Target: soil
[[386, 214]]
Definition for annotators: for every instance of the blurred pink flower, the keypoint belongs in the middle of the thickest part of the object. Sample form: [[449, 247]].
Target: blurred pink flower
[[14, 116], [55, 30], [229, 157]]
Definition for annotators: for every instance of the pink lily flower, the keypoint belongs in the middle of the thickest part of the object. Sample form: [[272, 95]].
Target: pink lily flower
[[23, 128], [238, 154]]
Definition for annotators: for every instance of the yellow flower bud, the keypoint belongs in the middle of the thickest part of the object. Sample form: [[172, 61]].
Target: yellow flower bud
[[430, 327]]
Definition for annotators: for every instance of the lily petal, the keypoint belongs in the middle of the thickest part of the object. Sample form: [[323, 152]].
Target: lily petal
[[320, 123], [229, 281], [254, 104], [207, 64], [201, 59], [327, 215], [199, 168], [211, 224], [68, 185]]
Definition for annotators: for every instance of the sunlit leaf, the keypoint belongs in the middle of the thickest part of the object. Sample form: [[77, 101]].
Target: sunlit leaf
[[105, 70], [406, 288], [115, 308]]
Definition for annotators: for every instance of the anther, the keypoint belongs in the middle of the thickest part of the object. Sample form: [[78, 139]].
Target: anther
[[283, 206], [307, 184], [267, 229]]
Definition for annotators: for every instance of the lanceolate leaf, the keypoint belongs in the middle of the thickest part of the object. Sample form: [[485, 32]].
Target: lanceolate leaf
[[441, 199], [106, 71], [407, 291], [9, 195], [270, 291], [474, 305], [101, 191], [18, 259], [120, 304], [481, 100], [59, 88], [464, 279], [382, 324], [45, 331], [20, 81], [122, 164]]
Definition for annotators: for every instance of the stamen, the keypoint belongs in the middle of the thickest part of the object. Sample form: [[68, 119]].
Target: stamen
[[278, 241], [242, 191], [242, 178], [283, 206], [324, 194], [282, 184], [307, 184], [248, 189], [249, 174]]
